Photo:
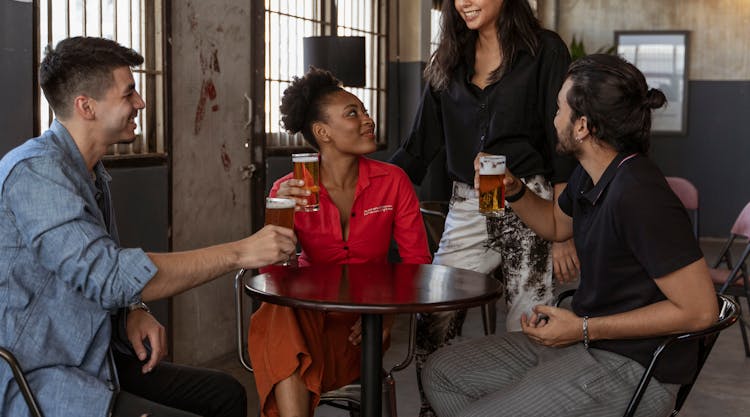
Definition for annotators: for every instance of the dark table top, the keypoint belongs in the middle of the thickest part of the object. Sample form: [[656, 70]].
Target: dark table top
[[374, 288]]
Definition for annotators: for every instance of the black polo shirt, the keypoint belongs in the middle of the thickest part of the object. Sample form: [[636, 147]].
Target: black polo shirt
[[512, 116], [629, 230]]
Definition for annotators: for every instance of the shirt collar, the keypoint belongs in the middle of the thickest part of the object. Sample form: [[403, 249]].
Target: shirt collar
[[65, 141], [367, 170], [466, 70], [592, 193]]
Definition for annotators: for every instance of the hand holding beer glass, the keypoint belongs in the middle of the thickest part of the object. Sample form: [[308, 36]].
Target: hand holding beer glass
[[307, 169], [491, 185], [280, 212]]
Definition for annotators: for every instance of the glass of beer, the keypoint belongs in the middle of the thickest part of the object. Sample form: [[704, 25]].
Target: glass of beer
[[280, 212], [491, 186], [307, 168]]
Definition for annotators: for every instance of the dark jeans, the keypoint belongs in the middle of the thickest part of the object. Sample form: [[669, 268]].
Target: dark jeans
[[176, 391]]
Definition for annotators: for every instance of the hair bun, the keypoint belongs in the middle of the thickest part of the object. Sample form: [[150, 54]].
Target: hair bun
[[655, 98]]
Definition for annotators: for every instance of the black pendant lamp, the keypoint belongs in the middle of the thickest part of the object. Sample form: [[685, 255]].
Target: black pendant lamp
[[344, 56]]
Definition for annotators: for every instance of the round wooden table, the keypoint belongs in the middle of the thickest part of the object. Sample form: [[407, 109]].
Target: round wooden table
[[372, 290]]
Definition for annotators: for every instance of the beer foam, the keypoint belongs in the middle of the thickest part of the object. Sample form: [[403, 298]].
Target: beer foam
[[279, 203], [492, 170], [305, 158], [492, 167]]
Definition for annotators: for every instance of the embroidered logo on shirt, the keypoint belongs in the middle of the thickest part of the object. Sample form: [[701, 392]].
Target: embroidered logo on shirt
[[379, 209]]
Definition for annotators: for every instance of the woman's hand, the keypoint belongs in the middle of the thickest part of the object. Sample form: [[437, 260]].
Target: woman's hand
[[565, 261], [355, 337], [292, 189]]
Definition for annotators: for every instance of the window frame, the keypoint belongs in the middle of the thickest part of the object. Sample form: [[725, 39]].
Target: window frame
[[281, 143]]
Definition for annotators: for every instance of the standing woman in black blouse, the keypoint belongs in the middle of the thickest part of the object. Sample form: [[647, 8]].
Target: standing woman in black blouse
[[493, 84]]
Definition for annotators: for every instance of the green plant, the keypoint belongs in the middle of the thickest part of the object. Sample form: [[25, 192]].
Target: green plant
[[577, 50]]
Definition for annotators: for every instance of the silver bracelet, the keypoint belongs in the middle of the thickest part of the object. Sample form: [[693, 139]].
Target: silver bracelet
[[585, 332]]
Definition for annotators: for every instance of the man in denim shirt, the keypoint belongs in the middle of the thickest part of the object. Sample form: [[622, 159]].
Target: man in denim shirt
[[62, 272]]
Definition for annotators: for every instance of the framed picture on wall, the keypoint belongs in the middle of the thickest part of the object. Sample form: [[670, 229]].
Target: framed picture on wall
[[662, 56]]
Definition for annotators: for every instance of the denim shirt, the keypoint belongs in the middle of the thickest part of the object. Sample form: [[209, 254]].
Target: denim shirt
[[61, 276]]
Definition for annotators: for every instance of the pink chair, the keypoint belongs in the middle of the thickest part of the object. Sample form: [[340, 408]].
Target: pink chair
[[733, 278], [688, 195]]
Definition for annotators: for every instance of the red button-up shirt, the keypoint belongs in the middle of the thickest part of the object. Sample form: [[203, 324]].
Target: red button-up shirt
[[385, 206]]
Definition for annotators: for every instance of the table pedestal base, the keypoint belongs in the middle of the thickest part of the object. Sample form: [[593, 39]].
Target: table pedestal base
[[372, 365]]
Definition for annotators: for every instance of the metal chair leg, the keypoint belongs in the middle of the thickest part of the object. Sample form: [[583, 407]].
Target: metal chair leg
[[743, 330], [389, 397], [489, 318]]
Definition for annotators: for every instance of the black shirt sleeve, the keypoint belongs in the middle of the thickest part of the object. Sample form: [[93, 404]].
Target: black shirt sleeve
[[425, 140]]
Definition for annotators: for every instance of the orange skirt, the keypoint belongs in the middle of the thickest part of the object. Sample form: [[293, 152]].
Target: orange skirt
[[283, 340]]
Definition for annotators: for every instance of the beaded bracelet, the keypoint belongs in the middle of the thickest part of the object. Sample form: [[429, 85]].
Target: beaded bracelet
[[585, 332]]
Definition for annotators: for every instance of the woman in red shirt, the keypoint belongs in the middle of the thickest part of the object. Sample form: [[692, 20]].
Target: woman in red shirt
[[298, 354]]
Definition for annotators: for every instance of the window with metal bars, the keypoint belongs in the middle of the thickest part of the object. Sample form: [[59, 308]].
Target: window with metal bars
[[435, 15], [137, 24], [287, 23]]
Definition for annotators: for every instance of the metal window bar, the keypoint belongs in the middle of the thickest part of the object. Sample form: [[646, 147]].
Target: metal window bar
[[133, 23], [287, 22]]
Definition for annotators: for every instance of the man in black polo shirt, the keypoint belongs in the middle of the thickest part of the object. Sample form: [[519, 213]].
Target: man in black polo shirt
[[643, 275]]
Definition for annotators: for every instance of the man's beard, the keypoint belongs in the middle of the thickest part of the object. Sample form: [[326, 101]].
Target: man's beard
[[566, 145]]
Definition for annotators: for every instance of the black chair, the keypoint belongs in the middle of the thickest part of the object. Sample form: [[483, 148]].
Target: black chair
[[732, 278], [729, 312], [346, 397], [20, 379], [434, 214]]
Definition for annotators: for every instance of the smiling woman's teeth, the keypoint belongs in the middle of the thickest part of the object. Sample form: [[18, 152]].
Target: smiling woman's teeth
[[472, 13]]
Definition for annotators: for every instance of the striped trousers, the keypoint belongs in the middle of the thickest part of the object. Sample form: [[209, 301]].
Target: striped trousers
[[509, 375], [504, 245]]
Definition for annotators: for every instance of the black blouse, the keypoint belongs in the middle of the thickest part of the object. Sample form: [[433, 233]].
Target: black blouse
[[512, 117]]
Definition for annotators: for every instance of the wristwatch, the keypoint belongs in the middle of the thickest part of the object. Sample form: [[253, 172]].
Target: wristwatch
[[139, 305]]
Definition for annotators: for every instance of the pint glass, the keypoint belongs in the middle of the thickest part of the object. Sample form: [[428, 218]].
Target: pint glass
[[280, 212], [307, 168], [491, 186]]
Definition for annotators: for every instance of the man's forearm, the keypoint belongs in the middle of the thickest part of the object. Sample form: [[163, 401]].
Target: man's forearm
[[657, 319], [181, 271], [539, 214], [178, 272]]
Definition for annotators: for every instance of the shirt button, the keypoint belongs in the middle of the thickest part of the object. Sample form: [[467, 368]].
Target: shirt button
[[346, 247], [353, 214]]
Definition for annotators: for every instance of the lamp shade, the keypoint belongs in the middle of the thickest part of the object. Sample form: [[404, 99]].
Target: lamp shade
[[343, 56]]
